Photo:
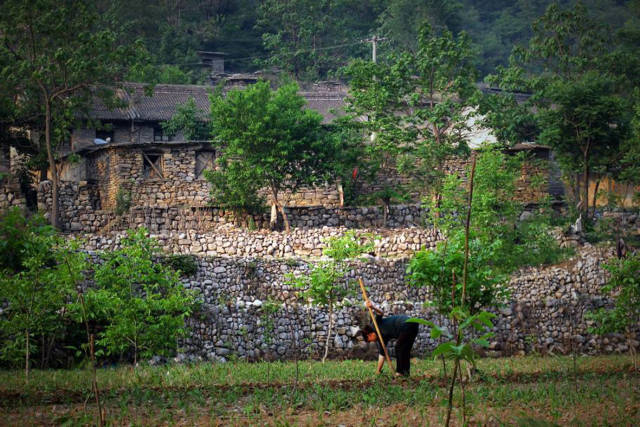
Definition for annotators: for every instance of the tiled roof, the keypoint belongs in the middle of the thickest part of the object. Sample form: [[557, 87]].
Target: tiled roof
[[166, 98], [161, 105]]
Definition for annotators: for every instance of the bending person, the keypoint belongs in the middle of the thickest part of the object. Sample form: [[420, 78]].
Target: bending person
[[392, 327]]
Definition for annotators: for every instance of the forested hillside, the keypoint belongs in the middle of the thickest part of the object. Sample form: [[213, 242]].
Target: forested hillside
[[313, 39]]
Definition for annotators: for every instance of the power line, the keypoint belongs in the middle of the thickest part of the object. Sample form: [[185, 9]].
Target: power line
[[267, 55]]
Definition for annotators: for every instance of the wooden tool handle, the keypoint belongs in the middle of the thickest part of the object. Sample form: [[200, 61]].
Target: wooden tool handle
[[375, 324]]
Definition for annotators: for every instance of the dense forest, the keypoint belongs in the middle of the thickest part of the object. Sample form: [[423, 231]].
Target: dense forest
[[313, 39]]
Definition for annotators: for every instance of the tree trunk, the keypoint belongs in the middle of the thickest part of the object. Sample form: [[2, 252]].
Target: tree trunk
[[52, 164], [287, 228], [326, 344], [278, 206], [595, 196], [340, 192], [274, 216], [585, 179], [26, 357]]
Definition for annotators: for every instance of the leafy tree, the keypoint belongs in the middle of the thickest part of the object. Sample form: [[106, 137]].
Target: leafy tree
[[442, 99], [266, 136], [416, 107], [140, 301], [498, 240], [579, 98], [312, 38], [322, 287], [377, 93], [623, 285], [55, 66], [236, 187], [190, 120], [36, 281]]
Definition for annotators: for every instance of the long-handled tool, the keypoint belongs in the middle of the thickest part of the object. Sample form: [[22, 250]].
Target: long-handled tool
[[375, 324]]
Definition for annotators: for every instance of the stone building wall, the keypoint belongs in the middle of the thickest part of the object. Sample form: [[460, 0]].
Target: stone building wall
[[10, 194]]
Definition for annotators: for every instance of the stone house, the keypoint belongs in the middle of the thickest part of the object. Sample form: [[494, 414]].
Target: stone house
[[131, 161]]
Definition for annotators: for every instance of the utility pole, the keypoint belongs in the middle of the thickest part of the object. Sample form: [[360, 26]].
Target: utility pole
[[374, 46]]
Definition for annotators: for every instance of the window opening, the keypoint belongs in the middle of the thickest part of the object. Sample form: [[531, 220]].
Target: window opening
[[159, 134], [152, 166], [204, 161]]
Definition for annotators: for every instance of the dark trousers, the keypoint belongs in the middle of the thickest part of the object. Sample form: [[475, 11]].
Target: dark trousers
[[404, 343]]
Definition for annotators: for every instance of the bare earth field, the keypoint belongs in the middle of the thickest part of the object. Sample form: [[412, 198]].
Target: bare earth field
[[524, 391]]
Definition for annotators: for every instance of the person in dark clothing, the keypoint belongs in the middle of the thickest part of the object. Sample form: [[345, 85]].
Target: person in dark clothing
[[392, 327]]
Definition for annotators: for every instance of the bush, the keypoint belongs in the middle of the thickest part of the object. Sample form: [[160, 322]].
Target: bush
[[185, 265], [141, 303]]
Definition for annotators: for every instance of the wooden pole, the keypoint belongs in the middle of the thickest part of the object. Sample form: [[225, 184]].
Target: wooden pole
[[375, 324]]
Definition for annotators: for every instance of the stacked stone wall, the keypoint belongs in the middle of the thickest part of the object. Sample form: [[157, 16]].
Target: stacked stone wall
[[10, 194], [544, 313], [299, 243]]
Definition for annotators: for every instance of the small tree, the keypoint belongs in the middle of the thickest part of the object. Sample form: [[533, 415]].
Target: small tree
[[37, 281], [322, 287], [624, 286], [141, 302], [190, 120], [267, 138], [499, 241], [55, 67]]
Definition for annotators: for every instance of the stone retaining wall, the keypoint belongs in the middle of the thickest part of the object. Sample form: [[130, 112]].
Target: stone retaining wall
[[81, 210], [299, 243], [545, 312], [250, 311]]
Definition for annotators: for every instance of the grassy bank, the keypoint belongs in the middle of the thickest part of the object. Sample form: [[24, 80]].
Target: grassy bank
[[528, 390]]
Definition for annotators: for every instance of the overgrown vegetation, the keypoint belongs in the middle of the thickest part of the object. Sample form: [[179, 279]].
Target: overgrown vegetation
[[267, 141], [499, 241], [624, 286], [138, 304], [38, 275], [133, 304]]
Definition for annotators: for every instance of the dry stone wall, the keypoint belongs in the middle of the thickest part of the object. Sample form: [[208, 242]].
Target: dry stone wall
[[262, 244], [544, 314], [10, 194], [249, 309]]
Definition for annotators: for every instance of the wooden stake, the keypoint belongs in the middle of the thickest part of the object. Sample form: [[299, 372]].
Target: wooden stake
[[373, 318]]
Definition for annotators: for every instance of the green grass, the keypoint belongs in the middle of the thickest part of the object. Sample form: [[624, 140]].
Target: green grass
[[525, 391]]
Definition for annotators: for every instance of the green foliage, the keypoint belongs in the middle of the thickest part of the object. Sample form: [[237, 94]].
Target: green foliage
[[141, 303], [455, 347], [498, 240], [267, 140], [16, 232], [310, 39], [624, 286], [56, 70], [123, 201], [416, 107], [184, 264], [348, 246], [235, 187], [189, 120], [37, 279], [577, 71]]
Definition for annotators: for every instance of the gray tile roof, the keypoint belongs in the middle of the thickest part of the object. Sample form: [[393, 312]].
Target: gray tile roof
[[166, 98]]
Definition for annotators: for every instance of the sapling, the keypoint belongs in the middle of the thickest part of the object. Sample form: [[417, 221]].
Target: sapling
[[321, 285], [624, 316]]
